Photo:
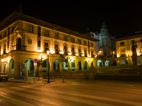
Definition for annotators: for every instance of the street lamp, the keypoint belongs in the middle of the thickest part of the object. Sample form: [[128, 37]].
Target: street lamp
[[48, 64]]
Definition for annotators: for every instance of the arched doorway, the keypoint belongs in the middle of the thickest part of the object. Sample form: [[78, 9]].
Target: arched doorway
[[19, 44], [29, 64], [4, 68], [99, 63], [79, 66], [65, 66], [72, 66], [56, 65], [124, 62], [110, 63], [85, 66], [45, 65], [11, 68]]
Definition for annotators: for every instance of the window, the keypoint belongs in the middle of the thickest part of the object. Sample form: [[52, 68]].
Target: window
[[72, 50], [85, 53], [45, 47], [65, 50], [0, 36], [91, 44], [13, 28], [79, 51], [46, 33], [79, 41], [122, 51], [92, 55], [84, 42], [30, 28], [56, 49], [72, 40], [56, 36], [65, 38], [121, 43], [4, 51], [29, 41], [5, 34]]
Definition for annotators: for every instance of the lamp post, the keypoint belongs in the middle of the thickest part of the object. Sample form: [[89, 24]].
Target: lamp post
[[48, 64]]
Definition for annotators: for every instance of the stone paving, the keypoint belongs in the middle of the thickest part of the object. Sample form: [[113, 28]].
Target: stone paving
[[73, 92]]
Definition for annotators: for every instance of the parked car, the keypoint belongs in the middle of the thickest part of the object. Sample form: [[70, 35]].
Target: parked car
[[4, 76]]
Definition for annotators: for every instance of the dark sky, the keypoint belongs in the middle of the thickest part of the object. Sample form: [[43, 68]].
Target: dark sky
[[122, 17]]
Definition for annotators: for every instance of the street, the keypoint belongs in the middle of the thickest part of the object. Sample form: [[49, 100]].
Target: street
[[73, 92]]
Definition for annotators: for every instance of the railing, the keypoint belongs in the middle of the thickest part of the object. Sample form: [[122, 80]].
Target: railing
[[19, 47]]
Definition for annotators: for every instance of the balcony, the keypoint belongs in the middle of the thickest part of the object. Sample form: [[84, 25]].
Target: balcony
[[19, 47]]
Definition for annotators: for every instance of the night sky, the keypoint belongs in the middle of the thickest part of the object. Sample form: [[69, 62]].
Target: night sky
[[123, 17]]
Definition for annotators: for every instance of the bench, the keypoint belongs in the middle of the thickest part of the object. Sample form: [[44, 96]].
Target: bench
[[46, 77]]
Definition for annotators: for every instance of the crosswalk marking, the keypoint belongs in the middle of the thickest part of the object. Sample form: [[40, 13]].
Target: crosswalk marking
[[46, 96]]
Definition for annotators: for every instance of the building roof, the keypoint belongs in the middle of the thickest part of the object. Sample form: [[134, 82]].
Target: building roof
[[128, 37], [16, 16]]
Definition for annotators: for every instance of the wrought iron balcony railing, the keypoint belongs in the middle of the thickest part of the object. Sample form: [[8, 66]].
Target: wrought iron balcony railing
[[19, 47]]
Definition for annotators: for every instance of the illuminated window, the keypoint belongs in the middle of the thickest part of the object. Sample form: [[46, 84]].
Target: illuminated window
[[121, 43]]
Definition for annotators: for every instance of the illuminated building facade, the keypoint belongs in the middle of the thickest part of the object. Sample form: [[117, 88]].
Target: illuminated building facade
[[124, 49], [104, 47], [24, 38]]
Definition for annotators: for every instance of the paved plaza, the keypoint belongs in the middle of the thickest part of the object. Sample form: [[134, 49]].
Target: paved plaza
[[73, 92]]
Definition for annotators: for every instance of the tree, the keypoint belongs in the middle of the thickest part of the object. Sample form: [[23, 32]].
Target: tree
[[62, 59]]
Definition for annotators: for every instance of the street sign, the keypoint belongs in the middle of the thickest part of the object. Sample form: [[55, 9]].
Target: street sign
[[35, 60]]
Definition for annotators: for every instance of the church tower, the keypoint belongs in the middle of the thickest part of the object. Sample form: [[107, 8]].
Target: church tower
[[104, 30]]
